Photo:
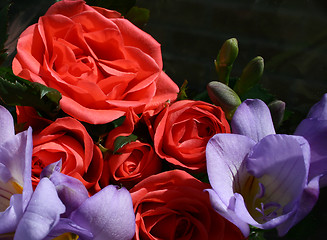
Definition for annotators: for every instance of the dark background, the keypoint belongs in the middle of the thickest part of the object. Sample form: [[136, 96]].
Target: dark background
[[291, 36]]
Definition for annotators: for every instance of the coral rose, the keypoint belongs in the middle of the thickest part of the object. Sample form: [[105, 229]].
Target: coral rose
[[173, 205], [101, 63], [135, 160], [67, 139], [183, 129], [28, 116], [132, 163]]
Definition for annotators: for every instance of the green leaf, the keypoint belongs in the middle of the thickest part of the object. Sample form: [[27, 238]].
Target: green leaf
[[138, 16], [17, 91], [182, 92], [256, 234], [123, 140]]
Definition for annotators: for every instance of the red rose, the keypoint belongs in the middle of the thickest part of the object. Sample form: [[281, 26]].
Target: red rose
[[132, 163], [68, 140], [173, 205], [182, 130], [124, 130], [100, 62], [28, 116]]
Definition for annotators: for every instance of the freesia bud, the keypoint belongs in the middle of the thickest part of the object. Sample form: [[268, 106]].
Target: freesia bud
[[223, 96], [251, 75], [277, 109], [225, 59]]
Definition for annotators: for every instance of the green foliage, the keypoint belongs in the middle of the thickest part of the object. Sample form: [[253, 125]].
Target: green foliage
[[138, 16], [17, 91], [225, 59], [257, 91], [182, 91], [99, 131], [251, 75], [123, 140], [222, 95], [256, 234], [122, 6]]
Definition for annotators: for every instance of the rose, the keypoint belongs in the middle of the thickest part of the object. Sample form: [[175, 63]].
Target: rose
[[132, 163], [100, 62], [173, 205], [28, 116], [182, 130], [67, 139]]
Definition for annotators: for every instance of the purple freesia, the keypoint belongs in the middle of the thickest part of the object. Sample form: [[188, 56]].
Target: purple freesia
[[60, 204], [106, 215], [259, 177], [15, 172], [42, 213], [314, 129]]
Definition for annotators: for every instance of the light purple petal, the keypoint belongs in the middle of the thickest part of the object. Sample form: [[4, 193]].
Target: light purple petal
[[66, 225], [308, 200], [319, 110], [7, 129], [70, 190], [5, 174], [281, 164], [227, 213], [42, 213], [108, 214], [15, 159], [252, 119], [225, 154], [49, 169], [16, 155], [11, 216], [315, 132]]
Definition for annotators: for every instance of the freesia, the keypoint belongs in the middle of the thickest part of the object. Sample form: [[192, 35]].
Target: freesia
[[20, 207], [15, 172], [314, 130], [259, 177], [106, 215]]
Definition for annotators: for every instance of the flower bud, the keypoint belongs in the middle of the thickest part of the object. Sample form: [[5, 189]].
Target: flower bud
[[223, 96], [277, 109], [225, 59], [251, 75]]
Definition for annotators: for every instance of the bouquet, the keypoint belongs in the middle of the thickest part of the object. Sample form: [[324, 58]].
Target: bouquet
[[98, 142]]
